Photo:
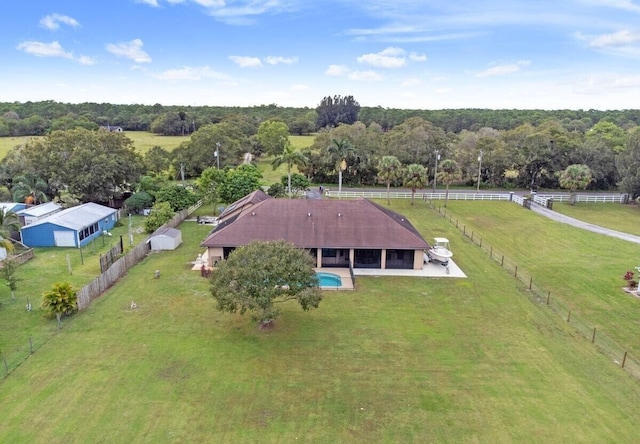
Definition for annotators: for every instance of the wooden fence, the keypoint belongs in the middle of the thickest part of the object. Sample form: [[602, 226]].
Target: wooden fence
[[119, 268]]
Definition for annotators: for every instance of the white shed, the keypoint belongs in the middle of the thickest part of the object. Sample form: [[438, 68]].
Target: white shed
[[165, 239]]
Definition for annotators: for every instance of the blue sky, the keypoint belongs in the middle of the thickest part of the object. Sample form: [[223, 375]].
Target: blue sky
[[424, 54]]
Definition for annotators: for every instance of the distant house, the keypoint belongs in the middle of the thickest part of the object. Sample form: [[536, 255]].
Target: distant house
[[337, 233], [165, 239], [112, 129], [31, 214], [73, 227]]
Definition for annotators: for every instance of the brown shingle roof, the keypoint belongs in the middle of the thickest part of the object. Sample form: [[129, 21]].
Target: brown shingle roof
[[323, 223]]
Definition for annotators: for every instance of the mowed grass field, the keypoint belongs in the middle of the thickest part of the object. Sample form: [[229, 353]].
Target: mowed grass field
[[625, 218], [397, 360], [583, 269]]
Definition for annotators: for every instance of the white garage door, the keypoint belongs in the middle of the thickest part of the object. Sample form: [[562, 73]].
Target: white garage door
[[64, 238]]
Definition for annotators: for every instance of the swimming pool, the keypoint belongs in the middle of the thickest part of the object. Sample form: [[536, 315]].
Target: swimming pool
[[328, 279]]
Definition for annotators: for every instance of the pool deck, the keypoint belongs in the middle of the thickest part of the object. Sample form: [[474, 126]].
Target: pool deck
[[430, 270]]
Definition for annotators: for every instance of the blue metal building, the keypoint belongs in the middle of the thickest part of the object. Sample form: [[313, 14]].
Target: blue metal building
[[73, 227]]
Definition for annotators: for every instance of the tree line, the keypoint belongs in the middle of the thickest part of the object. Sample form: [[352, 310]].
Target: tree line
[[100, 166], [40, 118]]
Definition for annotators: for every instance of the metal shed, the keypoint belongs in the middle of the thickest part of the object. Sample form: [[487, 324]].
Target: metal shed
[[73, 227], [165, 239]]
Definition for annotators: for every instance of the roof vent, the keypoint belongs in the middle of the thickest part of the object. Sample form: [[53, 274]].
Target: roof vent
[[339, 214], [309, 214], [253, 213]]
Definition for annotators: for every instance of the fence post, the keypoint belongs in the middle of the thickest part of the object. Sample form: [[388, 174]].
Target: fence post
[[480, 242], [502, 261], [464, 230], [516, 273], [593, 338], [471, 235], [530, 282], [569, 316], [456, 224], [624, 359], [548, 296], [30, 346]]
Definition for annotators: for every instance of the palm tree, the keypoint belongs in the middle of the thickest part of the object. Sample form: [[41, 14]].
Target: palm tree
[[29, 187], [415, 177], [449, 172], [339, 150], [291, 157], [8, 224], [389, 169], [574, 177]]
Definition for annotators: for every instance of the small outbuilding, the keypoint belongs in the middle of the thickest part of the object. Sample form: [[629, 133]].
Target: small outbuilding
[[73, 227], [31, 214], [165, 239]]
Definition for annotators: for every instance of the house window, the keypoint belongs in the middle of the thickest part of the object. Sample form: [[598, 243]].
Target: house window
[[329, 252]]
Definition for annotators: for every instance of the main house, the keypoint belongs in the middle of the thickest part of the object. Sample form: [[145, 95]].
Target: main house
[[337, 233], [73, 227]]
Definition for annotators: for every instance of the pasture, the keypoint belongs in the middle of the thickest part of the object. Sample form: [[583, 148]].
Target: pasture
[[619, 217], [397, 360]]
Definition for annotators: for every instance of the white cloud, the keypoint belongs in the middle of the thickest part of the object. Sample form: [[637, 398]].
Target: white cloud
[[617, 39], [387, 58], [275, 60], [40, 49], [417, 57], [246, 62], [53, 21], [86, 60], [130, 50], [53, 49], [336, 70], [501, 70], [190, 73], [365, 76], [153, 3]]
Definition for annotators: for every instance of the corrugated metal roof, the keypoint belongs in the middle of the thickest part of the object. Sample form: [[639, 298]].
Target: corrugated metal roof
[[40, 210], [76, 218]]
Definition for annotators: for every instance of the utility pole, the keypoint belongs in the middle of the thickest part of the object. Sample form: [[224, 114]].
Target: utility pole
[[435, 175], [479, 170], [217, 153]]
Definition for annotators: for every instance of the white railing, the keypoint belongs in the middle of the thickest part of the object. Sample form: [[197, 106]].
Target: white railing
[[422, 196], [518, 200], [592, 198], [540, 199]]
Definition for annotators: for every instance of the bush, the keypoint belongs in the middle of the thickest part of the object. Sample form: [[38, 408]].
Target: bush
[[161, 213]]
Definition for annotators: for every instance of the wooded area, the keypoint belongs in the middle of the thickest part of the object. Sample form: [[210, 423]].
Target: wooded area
[[525, 149]]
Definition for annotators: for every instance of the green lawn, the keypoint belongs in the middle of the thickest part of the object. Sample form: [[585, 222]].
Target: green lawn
[[397, 360], [581, 269], [144, 140], [625, 218], [8, 143]]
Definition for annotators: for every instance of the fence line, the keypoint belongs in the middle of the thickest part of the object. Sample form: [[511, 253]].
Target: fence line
[[422, 195], [120, 267], [543, 298]]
